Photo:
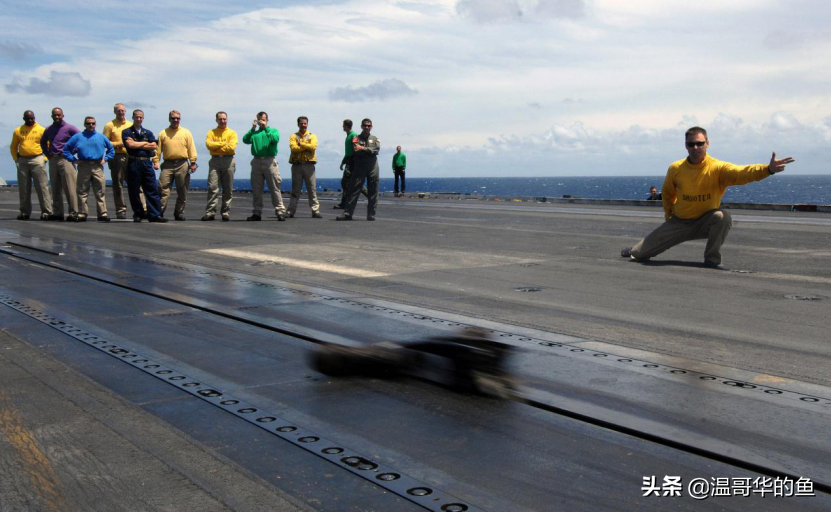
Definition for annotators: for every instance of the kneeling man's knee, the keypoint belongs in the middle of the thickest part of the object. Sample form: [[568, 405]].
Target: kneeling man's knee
[[722, 216]]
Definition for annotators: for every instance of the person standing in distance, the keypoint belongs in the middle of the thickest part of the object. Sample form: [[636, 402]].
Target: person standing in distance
[[303, 146], [264, 169], [179, 152], [366, 148], [62, 174], [222, 145], [141, 148], [399, 165], [118, 164], [691, 197], [31, 167], [93, 150]]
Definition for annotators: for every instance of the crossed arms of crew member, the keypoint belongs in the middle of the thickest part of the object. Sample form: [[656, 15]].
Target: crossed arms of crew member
[[306, 143], [372, 145], [140, 145]]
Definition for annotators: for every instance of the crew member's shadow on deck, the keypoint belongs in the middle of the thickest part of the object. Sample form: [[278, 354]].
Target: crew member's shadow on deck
[[674, 263]]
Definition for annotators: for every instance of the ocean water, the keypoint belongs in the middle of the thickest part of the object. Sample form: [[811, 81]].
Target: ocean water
[[782, 188]]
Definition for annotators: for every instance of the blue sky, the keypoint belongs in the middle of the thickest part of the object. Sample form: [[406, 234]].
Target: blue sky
[[467, 87]]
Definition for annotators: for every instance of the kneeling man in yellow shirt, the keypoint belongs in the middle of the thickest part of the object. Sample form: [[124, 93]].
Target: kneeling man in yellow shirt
[[692, 194]]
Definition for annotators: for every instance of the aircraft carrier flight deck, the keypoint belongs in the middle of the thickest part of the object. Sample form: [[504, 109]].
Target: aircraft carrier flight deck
[[167, 366]]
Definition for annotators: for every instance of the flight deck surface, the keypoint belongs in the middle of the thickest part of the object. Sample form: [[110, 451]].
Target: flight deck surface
[[627, 371]]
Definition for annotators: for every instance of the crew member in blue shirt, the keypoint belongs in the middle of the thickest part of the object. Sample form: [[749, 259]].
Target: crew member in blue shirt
[[92, 149], [141, 145]]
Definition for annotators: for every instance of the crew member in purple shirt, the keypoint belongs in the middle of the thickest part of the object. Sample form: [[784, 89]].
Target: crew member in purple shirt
[[62, 174], [93, 149]]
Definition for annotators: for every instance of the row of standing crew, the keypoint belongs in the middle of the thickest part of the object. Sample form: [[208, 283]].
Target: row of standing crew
[[691, 194], [134, 153]]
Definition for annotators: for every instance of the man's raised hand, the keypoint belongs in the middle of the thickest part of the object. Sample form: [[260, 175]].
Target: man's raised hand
[[777, 166]]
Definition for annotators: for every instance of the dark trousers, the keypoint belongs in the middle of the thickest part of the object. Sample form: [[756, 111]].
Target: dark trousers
[[398, 172], [141, 176], [359, 175], [346, 180]]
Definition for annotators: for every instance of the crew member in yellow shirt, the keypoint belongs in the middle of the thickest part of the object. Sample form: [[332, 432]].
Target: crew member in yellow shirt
[[178, 154], [31, 167], [692, 194], [222, 145], [118, 164], [303, 145]]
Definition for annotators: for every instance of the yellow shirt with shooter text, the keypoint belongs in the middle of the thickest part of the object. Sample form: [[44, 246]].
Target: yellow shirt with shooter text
[[221, 141], [175, 144], [691, 190], [26, 141], [112, 131]]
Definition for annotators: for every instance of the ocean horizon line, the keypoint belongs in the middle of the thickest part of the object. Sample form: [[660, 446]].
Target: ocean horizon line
[[781, 189]]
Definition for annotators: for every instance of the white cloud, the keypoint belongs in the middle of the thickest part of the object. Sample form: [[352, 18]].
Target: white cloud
[[727, 132], [784, 40], [381, 90], [573, 9], [487, 11], [602, 82], [660, 13], [784, 122], [58, 84], [581, 150], [134, 104], [423, 6], [19, 51]]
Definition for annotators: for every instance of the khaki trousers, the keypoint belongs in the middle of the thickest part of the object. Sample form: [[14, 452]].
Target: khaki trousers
[[118, 174], [303, 172], [33, 169], [64, 179], [265, 170], [713, 226], [174, 170], [91, 171], [220, 173]]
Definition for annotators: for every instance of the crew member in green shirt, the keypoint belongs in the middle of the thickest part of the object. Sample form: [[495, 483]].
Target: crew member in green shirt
[[399, 164], [263, 140], [347, 163], [366, 148]]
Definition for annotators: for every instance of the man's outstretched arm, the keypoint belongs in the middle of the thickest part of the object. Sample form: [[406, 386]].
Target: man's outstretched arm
[[731, 174]]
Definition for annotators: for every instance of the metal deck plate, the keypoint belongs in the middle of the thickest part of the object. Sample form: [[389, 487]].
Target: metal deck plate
[[494, 455]]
